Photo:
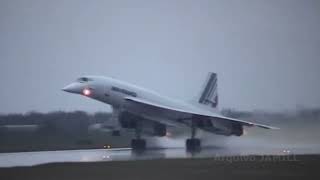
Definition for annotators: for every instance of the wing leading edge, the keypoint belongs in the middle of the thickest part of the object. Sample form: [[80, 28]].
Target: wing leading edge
[[197, 112]]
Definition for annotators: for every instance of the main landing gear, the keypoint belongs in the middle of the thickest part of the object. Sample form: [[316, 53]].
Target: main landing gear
[[193, 144], [138, 144]]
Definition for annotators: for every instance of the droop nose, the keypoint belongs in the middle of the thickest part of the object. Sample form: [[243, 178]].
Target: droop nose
[[72, 88]]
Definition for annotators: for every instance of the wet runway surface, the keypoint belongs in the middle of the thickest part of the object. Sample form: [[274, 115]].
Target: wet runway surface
[[126, 154], [257, 142]]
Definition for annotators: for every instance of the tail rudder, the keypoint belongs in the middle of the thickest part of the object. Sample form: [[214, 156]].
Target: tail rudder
[[209, 95]]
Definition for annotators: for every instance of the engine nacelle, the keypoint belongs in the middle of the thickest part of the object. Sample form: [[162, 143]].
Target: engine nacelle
[[159, 130], [237, 129], [218, 126], [202, 122], [128, 120]]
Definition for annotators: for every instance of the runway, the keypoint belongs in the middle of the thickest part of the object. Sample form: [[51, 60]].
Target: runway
[[257, 142], [126, 154]]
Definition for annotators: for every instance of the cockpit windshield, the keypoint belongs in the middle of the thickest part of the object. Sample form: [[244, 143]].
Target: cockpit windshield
[[84, 79]]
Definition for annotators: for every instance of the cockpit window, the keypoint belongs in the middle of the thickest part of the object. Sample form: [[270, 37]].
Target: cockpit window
[[84, 79]]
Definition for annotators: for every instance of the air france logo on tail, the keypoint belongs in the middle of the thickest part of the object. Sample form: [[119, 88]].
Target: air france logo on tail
[[209, 95]]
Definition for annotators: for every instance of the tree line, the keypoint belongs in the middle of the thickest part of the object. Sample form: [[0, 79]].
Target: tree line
[[37, 118]]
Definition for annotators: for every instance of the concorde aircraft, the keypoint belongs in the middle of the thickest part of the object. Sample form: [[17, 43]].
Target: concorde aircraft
[[138, 108]]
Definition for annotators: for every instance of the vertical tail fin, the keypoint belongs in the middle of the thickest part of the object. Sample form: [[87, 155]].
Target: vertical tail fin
[[209, 94]]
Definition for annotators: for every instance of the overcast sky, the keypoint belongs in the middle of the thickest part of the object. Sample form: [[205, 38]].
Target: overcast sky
[[266, 53]]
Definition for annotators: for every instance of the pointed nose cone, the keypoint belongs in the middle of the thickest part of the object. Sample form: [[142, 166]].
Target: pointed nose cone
[[72, 88], [66, 89]]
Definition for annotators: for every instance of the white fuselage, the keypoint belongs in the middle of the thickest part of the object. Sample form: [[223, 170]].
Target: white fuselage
[[113, 92], [149, 105]]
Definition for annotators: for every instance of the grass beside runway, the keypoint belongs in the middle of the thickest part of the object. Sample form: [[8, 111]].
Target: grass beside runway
[[236, 167]]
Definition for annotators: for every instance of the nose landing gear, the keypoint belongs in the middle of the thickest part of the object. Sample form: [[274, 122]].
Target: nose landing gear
[[193, 144]]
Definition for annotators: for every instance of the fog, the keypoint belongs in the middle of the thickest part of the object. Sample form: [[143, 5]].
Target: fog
[[266, 53]]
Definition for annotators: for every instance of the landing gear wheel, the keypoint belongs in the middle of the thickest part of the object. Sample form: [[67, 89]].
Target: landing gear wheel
[[138, 144], [193, 145]]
